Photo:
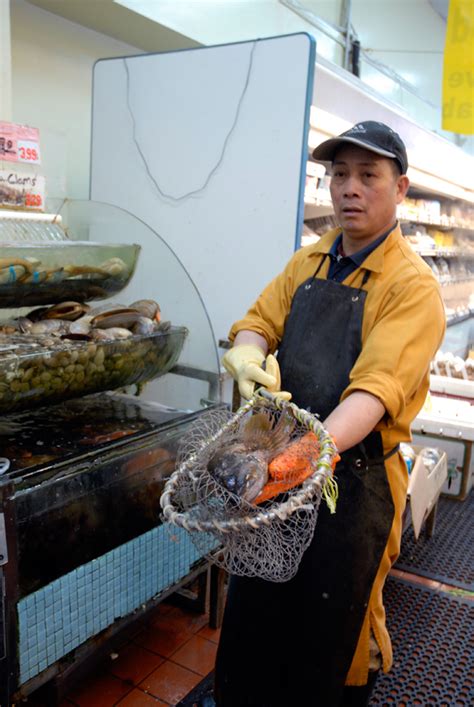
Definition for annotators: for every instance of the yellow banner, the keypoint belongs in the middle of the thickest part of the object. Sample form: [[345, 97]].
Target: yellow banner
[[458, 70]]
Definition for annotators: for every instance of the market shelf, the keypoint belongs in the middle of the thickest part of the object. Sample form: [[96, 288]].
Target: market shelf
[[441, 226]]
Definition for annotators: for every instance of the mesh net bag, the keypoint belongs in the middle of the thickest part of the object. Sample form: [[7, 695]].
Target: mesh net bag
[[248, 486]]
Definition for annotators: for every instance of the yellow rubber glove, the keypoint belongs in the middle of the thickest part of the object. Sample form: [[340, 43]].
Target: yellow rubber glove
[[244, 363], [272, 367]]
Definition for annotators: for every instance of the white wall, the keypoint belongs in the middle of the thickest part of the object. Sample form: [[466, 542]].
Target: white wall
[[52, 63]]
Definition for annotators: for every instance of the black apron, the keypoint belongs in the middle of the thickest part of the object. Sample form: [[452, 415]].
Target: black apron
[[292, 643]]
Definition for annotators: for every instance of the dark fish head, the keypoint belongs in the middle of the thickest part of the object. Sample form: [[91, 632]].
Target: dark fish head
[[242, 473]]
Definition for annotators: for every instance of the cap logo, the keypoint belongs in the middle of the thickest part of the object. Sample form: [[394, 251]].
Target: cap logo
[[357, 129]]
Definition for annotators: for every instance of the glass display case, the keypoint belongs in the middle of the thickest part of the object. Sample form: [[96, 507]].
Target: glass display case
[[90, 427]]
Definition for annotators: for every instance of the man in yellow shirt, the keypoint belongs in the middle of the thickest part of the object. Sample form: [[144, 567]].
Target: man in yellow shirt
[[356, 319]]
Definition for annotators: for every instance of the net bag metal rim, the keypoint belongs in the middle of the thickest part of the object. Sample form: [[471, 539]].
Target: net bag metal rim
[[281, 511]]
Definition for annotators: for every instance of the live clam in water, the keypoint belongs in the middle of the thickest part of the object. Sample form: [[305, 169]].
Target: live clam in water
[[31, 270]]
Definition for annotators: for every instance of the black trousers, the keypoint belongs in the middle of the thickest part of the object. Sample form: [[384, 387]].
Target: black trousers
[[359, 696]]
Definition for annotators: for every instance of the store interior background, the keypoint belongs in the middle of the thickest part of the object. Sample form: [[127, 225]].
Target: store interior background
[[48, 49]]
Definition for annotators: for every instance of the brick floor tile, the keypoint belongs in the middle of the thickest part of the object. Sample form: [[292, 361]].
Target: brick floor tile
[[170, 682], [99, 690], [197, 654], [134, 663], [181, 620], [163, 639], [212, 634], [138, 698]]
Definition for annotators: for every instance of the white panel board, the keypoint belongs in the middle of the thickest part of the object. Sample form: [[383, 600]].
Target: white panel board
[[208, 146]]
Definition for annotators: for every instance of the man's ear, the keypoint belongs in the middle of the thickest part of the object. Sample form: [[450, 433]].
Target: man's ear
[[402, 187]]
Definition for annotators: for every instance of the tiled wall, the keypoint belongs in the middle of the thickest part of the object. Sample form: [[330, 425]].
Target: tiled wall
[[62, 615]]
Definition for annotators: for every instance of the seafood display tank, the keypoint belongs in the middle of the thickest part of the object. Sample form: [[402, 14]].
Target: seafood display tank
[[90, 427]]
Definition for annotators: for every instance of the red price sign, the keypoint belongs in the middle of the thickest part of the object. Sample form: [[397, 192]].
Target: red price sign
[[28, 151], [34, 201]]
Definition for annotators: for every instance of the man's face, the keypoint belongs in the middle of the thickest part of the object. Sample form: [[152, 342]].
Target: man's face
[[365, 191]]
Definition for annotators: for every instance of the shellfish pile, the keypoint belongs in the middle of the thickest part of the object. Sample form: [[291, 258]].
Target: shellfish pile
[[79, 321], [71, 349]]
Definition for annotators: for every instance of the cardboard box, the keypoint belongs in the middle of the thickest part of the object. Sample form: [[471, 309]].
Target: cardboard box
[[424, 488]]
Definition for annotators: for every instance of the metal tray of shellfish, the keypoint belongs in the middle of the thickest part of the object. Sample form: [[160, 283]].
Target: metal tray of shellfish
[[39, 273], [72, 349]]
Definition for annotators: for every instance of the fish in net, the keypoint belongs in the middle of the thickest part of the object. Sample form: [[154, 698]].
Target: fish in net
[[248, 486]]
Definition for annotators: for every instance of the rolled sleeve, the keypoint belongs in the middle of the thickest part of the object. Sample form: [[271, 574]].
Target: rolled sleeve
[[396, 355]]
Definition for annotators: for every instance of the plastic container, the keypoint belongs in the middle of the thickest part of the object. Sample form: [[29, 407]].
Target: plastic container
[[34, 274], [75, 368]]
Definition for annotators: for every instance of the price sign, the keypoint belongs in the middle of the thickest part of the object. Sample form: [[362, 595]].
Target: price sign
[[22, 191], [28, 151], [19, 143]]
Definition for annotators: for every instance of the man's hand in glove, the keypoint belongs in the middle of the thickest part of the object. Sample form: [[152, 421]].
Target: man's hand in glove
[[244, 363]]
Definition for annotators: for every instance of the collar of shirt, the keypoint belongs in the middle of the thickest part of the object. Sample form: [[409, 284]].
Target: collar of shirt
[[373, 259], [357, 258]]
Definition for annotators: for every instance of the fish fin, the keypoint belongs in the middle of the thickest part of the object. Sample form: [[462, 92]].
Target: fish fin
[[281, 435], [256, 430], [260, 433]]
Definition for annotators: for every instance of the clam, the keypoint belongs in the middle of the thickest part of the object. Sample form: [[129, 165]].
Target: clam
[[144, 326], [66, 310], [12, 273], [6, 263], [55, 274], [110, 334], [36, 277], [77, 270], [108, 307], [81, 326], [114, 266], [122, 318], [24, 324], [147, 308], [37, 314], [49, 326]]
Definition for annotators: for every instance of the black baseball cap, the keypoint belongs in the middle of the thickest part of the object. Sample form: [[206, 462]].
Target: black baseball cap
[[371, 135]]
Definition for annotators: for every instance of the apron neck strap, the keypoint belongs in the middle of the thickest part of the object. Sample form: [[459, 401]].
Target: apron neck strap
[[326, 255]]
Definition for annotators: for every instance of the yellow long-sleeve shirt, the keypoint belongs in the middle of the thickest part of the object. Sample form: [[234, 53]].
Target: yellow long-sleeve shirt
[[403, 327]]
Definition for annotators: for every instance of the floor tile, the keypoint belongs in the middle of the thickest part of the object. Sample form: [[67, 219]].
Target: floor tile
[[99, 690], [163, 639], [197, 654], [134, 663], [212, 634], [138, 698], [170, 682], [182, 620]]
